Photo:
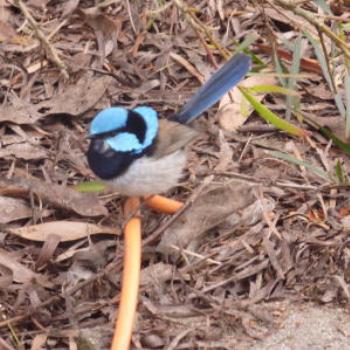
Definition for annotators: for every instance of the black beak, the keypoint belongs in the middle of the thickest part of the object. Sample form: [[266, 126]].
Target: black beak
[[102, 135]]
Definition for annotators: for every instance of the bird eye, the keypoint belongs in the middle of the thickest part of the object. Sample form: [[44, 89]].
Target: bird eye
[[104, 147], [100, 145]]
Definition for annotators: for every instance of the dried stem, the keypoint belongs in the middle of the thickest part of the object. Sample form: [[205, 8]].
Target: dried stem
[[43, 39], [311, 18]]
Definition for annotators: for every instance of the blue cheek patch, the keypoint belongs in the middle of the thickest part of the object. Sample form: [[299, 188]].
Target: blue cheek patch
[[108, 120], [150, 117], [125, 142]]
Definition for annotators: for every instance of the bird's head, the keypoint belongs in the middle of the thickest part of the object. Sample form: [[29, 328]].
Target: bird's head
[[119, 136]]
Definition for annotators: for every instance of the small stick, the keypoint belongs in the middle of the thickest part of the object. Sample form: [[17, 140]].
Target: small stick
[[41, 36]]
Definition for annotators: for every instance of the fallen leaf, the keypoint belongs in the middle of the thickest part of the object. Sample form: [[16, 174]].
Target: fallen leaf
[[66, 230], [225, 155], [85, 204], [105, 28], [156, 274], [335, 124], [38, 3], [21, 274], [191, 69], [12, 209], [233, 113], [6, 277], [211, 208], [6, 32], [346, 222], [23, 151], [289, 19], [39, 341], [75, 100], [307, 64], [79, 61], [68, 7]]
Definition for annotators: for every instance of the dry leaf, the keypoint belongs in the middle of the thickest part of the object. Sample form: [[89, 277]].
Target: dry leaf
[[21, 274], [12, 209], [68, 7], [233, 113], [75, 100], [66, 230], [6, 32], [105, 28], [23, 151], [6, 277], [335, 124], [85, 204], [225, 155], [191, 69], [211, 208], [5, 345], [39, 341], [290, 19], [156, 274], [79, 61]]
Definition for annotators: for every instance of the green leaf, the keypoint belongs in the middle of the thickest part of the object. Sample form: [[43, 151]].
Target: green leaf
[[315, 169], [91, 186], [339, 172], [329, 135], [266, 89], [271, 117], [324, 6], [347, 103], [248, 40], [321, 59], [346, 27]]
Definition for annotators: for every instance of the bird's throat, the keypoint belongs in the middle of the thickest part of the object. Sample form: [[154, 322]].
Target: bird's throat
[[107, 164]]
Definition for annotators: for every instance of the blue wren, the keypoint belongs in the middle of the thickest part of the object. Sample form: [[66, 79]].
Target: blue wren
[[138, 154]]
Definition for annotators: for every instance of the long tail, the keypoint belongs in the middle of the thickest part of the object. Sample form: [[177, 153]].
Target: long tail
[[220, 83]]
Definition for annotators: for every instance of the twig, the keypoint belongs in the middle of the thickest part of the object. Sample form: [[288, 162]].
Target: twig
[[326, 57], [195, 22], [41, 36], [311, 18]]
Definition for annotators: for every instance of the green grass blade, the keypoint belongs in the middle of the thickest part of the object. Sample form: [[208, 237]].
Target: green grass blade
[[347, 103], [271, 117], [324, 6], [329, 135], [323, 63], [280, 71], [315, 169], [91, 186], [320, 57], [267, 89]]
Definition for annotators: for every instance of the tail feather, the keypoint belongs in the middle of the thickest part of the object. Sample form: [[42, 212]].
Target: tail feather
[[220, 83]]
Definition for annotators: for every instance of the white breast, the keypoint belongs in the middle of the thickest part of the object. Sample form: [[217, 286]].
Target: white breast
[[147, 176]]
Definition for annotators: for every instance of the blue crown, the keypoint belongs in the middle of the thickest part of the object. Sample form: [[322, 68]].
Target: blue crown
[[135, 130], [109, 119]]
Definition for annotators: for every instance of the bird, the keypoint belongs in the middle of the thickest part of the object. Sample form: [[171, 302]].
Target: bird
[[136, 153]]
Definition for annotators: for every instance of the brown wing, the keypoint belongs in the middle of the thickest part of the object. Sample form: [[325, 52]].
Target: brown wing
[[172, 136]]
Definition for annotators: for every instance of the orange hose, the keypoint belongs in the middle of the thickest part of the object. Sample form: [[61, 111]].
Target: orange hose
[[131, 278], [163, 204]]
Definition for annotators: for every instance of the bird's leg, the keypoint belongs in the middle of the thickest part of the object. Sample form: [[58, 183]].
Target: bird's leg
[[163, 205], [131, 276]]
